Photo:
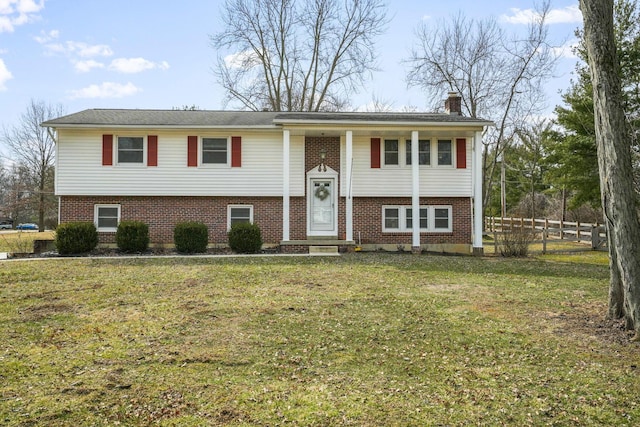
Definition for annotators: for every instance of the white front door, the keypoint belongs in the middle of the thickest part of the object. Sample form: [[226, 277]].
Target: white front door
[[322, 207]]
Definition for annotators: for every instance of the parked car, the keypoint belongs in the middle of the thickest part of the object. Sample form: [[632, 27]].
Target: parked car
[[5, 226], [27, 226]]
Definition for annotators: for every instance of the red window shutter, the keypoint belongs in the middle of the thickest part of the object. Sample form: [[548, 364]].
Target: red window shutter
[[375, 152], [152, 150], [107, 150], [236, 151], [192, 151], [461, 153]]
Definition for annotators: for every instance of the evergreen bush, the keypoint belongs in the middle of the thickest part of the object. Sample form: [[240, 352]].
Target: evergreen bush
[[191, 237], [76, 238], [245, 238], [132, 236]]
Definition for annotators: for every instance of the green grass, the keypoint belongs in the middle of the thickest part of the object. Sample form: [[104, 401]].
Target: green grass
[[364, 339]]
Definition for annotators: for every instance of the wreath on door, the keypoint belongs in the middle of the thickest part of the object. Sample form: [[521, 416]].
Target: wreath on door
[[322, 192]]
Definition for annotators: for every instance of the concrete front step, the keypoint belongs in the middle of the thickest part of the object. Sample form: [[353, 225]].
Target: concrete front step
[[323, 250]]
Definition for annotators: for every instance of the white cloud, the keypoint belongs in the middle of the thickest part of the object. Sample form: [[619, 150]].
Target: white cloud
[[5, 75], [567, 50], [244, 59], [106, 90], [85, 50], [136, 65], [86, 66], [14, 13], [568, 15], [72, 48], [45, 37]]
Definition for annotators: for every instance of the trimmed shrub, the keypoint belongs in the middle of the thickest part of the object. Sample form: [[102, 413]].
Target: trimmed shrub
[[76, 238], [245, 238], [132, 236], [191, 237]]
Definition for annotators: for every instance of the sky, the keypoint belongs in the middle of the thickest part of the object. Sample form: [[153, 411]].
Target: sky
[[156, 53]]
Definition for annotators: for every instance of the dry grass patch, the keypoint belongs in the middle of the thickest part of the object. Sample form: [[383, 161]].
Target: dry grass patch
[[364, 339]]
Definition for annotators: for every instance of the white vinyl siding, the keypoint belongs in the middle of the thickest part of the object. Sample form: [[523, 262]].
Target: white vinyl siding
[[80, 171], [435, 181]]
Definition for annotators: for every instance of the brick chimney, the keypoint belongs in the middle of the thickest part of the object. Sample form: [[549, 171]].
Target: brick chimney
[[453, 104]]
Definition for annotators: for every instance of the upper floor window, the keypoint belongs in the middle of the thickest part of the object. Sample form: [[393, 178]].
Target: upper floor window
[[444, 152], [391, 151], [424, 152], [130, 149], [214, 151]]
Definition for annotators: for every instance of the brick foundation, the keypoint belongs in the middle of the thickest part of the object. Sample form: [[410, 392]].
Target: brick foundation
[[163, 213]]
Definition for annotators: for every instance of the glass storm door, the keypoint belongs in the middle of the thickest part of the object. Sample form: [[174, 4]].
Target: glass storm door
[[323, 215]]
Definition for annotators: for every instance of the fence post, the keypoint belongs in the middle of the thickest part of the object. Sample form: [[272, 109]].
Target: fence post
[[544, 241], [561, 229], [578, 230], [495, 242], [595, 237]]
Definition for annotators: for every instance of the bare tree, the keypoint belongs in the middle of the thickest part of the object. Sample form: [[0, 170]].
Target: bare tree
[[304, 55], [33, 147], [613, 139], [498, 77]]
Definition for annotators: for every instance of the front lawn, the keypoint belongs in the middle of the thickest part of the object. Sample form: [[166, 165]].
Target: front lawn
[[363, 340]]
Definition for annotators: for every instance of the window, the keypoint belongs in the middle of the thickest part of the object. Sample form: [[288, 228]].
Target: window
[[130, 149], [424, 219], [424, 152], [391, 218], [442, 218], [107, 217], [214, 151], [238, 214], [433, 219], [391, 151], [444, 152]]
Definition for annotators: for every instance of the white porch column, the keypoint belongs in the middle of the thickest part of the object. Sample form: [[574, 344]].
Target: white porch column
[[415, 195], [477, 194], [286, 146], [348, 186]]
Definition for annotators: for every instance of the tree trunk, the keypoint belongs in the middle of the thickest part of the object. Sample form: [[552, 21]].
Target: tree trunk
[[614, 155]]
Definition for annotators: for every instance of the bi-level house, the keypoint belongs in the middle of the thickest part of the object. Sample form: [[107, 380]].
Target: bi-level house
[[408, 181]]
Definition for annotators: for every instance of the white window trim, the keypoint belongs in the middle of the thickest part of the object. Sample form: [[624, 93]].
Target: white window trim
[[201, 149], [432, 219], [431, 152], [402, 220], [453, 153], [230, 207], [95, 217], [131, 164], [383, 152]]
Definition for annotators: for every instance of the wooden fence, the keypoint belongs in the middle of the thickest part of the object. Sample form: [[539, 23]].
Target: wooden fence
[[593, 234]]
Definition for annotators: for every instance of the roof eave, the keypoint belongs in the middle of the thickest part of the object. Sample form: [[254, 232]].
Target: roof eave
[[382, 123]]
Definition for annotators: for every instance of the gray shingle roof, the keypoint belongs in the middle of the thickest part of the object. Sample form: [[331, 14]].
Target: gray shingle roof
[[208, 118]]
